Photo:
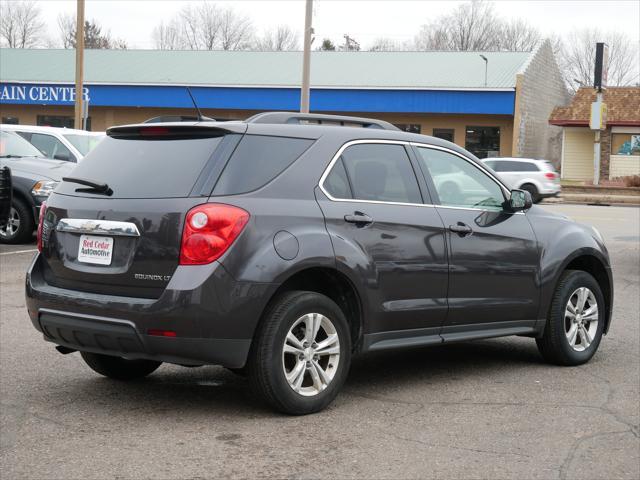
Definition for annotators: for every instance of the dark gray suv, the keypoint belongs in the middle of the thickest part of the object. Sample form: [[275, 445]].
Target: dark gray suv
[[281, 246]]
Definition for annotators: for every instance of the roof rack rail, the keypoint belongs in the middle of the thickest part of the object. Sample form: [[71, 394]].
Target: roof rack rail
[[319, 119]]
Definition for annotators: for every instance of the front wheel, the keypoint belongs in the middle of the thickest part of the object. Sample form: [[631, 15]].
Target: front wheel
[[20, 224], [576, 320], [119, 368], [535, 196], [302, 353]]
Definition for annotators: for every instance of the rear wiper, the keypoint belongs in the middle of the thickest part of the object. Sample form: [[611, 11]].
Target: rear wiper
[[94, 187]]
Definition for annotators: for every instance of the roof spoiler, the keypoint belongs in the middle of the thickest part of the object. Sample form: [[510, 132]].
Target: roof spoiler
[[177, 130], [319, 119]]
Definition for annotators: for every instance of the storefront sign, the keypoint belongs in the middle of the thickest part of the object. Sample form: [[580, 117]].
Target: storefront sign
[[41, 94]]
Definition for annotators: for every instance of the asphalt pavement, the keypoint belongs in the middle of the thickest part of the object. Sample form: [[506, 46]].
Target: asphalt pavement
[[484, 409]]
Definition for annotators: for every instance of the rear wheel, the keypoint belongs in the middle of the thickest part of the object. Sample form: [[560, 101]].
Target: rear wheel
[[576, 320], [535, 196], [119, 368], [302, 354], [20, 225]]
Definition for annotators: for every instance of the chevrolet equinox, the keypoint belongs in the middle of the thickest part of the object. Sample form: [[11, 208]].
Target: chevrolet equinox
[[282, 245]]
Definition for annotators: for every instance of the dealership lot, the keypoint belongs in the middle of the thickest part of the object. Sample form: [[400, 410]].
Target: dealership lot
[[489, 408]]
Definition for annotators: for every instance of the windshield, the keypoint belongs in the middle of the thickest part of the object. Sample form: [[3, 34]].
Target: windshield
[[84, 143], [13, 145]]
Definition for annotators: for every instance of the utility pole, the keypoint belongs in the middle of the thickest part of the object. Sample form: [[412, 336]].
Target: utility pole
[[306, 58], [79, 64], [598, 118]]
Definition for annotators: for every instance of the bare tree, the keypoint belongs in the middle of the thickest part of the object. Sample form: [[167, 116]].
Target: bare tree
[[166, 36], [350, 44], [236, 30], [21, 24], [518, 35], [577, 58], [475, 26], [204, 26], [94, 35], [67, 29], [383, 44], [283, 37]]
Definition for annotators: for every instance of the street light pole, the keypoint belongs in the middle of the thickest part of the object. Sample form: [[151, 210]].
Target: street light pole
[[79, 64], [486, 68], [306, 58]]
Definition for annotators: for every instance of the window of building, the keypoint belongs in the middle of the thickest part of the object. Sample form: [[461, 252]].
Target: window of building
[[61, 121], [409, 127], [447, 134], [458, 183], [483, 142], [376, 172], [10, 120], [625, 144]]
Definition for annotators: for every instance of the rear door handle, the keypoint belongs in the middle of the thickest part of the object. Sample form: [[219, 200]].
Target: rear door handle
[[358, 218], [461, 229]]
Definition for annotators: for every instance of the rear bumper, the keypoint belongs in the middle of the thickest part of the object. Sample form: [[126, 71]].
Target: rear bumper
[[213, 316], [120, 338]]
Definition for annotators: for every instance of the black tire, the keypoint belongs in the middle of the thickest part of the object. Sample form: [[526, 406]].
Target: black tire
[[119, 368], [554, 345], [535, 196], [265, 365], [24, 232]]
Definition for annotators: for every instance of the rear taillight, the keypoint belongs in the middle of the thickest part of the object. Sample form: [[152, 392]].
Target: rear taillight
[[43, 211], [551, 175], [209, 230]]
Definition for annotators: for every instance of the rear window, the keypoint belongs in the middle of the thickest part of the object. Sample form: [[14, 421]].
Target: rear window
[[258, 160], [145, 168]]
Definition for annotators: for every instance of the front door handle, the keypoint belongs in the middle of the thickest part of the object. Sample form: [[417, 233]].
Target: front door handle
[[461, 229], [358, 218]]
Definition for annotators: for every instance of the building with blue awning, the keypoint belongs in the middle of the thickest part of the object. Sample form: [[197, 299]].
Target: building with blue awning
[[495, 107]]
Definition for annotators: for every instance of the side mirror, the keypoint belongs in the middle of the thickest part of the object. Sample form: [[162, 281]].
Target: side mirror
[[520, 200]]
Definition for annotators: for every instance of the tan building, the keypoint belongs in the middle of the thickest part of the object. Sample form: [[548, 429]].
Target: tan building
[[493, 107], [619, 141]]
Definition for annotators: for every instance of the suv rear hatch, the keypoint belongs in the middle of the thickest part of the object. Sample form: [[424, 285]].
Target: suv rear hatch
[[114, 225]]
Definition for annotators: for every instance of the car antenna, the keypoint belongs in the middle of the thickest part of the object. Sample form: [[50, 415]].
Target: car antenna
[[200, 116]]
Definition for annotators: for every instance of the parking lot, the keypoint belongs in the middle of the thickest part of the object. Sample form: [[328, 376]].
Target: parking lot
[[485, 409]]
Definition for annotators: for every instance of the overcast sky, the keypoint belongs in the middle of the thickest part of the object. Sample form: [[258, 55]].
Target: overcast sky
[[133, 20]]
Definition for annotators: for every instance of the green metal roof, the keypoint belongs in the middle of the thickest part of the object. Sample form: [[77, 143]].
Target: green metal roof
[[384, 70]]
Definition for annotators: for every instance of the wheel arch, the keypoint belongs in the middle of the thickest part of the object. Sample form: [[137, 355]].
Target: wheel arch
[[590, 261], [331, 283]]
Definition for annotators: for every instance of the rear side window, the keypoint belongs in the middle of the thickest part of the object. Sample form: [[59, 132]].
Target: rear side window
[[136, 168], [514, 166], [258, 160], [375, 172]]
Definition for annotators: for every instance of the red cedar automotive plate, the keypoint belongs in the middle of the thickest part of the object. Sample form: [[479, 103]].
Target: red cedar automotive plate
[[97, 250]]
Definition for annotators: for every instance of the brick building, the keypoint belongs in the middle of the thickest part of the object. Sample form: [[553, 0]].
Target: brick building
[[619, 141], [497, 107]]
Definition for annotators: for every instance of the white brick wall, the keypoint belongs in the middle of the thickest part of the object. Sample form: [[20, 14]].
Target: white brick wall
[[542, 89]]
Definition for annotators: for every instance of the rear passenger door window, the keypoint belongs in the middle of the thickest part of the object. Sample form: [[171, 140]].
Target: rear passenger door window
[[374, 172]]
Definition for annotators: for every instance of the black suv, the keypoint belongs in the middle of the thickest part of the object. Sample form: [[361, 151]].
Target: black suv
[[280, 246]]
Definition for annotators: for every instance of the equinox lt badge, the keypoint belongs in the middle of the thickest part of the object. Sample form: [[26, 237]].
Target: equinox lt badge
[[146, 276]]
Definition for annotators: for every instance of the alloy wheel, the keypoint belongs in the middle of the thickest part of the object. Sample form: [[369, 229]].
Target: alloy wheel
[[581, 319], [310, 354], [12, 226]]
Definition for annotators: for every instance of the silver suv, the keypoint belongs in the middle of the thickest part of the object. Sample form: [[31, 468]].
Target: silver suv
[[538, 177]]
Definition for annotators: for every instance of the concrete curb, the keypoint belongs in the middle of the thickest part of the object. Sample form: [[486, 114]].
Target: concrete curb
[[630, 200]]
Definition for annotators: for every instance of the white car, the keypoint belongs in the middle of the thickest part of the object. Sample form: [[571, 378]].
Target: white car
[[538, 177], [58, 143]]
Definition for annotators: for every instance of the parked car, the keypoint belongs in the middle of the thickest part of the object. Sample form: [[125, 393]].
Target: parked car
[[279, 248], [33, 178], [58, 143], [538, 177], [5, 196]]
